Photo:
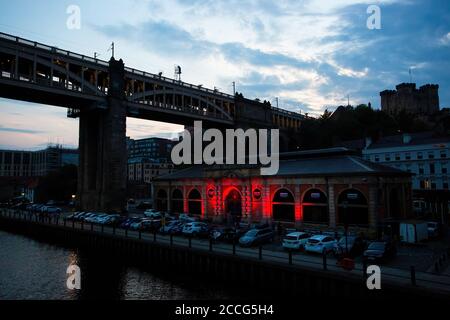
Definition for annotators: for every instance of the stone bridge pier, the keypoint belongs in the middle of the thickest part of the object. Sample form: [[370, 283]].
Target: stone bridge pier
[[102, 170]]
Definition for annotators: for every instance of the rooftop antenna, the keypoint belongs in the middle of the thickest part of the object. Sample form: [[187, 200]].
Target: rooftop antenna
[[410, 75], [348, 100], [96, 55], [112, 49], [276, 101], [178, 73], [234, 88]]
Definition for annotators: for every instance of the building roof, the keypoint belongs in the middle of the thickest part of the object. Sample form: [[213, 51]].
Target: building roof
[[331, 162], [414, 139]]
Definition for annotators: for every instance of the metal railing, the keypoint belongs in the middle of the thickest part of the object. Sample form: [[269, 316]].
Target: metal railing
[[402, 276]]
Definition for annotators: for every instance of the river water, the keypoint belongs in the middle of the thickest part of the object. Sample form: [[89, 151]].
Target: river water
[[30, 269]]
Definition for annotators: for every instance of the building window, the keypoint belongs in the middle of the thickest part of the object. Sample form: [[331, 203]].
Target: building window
[[443, 154], [387, 157], [421, 170], [433, 185], [408, 156], [377, 158], [444, 169], [430, 155], [397, 157], [419, 155], [445, 185], [432, 168]]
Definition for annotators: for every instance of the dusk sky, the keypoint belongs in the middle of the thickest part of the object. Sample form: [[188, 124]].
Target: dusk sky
[[311, 54]]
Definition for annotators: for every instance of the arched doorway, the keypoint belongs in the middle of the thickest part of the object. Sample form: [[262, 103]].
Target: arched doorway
[[283, 206], [233, 205], [161, 200], [315, 207], [195, 202], [177, 201], [353, 208]]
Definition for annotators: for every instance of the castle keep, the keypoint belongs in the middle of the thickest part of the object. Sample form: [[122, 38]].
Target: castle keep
[[422, 101]]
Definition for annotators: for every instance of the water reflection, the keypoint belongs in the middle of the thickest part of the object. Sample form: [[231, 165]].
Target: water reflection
[[30, 269]]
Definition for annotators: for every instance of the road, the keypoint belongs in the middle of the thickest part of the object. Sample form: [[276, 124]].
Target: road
[[300, 260]]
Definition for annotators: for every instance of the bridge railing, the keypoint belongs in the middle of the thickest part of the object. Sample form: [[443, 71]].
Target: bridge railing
[[176, 82], [52, 49]]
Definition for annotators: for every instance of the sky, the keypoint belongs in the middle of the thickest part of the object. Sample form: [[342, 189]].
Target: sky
[[311, 54]]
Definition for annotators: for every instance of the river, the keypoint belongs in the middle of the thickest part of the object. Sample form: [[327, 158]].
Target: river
[[31, 269]]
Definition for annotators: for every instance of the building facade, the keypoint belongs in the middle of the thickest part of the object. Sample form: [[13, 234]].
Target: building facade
[[428, 158], [157, 149], [425, 156], [16, 163], [327, 188], [423, 101]]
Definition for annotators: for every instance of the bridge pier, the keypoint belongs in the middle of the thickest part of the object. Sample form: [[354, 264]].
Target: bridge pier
[[103, 154]]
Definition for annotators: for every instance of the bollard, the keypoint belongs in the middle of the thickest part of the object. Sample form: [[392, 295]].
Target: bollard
[[290, 256], [260, 253], [171, 239], [190, 242], [324, 261], [210, 245], [413, 275]]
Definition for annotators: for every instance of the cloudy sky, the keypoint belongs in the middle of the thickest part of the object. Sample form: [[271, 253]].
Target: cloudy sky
[[311, 54]]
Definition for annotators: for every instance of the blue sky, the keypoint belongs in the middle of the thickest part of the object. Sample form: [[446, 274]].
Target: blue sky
[[311, 54]]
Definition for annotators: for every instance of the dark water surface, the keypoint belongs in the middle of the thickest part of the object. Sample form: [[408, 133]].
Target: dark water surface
[[30, 269]]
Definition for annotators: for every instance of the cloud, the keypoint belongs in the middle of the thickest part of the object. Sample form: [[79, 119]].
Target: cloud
[[445, 39], [19, 130]]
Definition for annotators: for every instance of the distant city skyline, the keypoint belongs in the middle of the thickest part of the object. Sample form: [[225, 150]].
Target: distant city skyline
[[310, 54]]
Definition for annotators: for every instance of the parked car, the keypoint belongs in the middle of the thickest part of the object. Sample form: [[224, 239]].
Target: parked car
[[295, 240], [152, 213], [320, 244], [196, 229], [127, 223], [172, 227], [53, 210], [256, 236], [380, 251], [351, 245]]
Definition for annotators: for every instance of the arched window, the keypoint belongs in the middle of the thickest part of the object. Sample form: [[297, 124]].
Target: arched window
[[195, 202], [161, 200], [283, 206], [315, 207], [177, 201], [233, 203], [353, 208]]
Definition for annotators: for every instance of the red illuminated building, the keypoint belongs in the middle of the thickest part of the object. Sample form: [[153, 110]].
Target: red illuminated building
[[329, 188]]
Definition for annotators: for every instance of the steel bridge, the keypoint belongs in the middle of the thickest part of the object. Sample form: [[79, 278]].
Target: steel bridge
[[40, 73], [103, 93]]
